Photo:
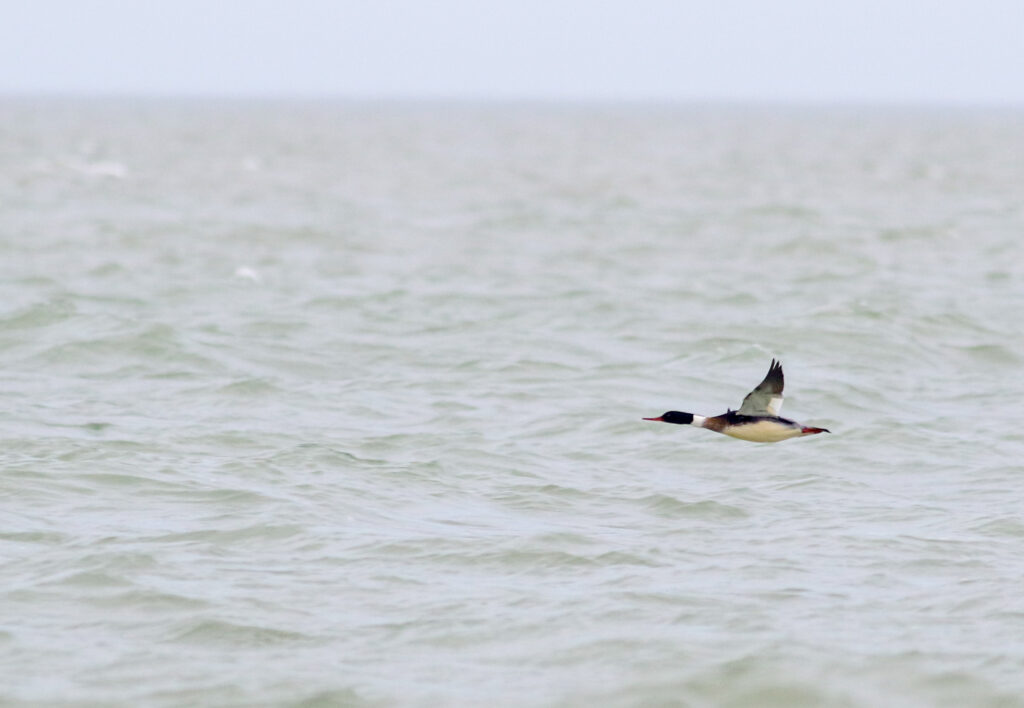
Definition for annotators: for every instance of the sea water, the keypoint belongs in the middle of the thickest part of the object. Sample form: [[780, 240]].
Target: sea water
[[339, 404]]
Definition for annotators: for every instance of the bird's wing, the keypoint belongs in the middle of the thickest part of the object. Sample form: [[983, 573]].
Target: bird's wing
[[766, 399]]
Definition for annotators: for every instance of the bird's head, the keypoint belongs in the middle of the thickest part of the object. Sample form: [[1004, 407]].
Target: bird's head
[[676, 417]]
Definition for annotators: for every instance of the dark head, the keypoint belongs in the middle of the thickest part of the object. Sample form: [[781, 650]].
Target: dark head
[[674, 417]]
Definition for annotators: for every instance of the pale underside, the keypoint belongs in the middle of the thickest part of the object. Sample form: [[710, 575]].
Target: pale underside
[[764, 431]]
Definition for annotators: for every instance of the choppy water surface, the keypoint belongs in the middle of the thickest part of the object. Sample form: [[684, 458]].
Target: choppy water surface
[[340, 405]]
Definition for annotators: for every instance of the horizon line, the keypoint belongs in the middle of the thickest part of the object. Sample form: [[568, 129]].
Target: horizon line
[[510, 99]]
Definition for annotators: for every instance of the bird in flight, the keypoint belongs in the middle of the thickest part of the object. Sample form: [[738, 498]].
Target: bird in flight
[[757, 420]]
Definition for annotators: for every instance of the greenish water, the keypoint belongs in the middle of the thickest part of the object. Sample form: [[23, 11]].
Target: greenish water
[[339, 404]]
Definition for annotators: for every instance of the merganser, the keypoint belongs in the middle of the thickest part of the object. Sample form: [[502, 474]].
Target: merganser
[[757, 419]]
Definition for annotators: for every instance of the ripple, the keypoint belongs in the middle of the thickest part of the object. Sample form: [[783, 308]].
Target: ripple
[[349, 698], [256, 532], [672, 508], [992, 354], [150, 601], [38, 315], [229, 634], [46, 537], [1007, 526], [250, 387]]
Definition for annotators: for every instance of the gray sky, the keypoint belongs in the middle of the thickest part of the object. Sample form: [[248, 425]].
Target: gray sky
[[949, 51]]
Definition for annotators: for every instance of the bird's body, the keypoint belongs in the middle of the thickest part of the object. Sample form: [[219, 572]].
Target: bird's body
[[757, 420]]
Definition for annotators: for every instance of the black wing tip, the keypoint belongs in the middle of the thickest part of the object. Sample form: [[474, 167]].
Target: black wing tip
[[774, 377]]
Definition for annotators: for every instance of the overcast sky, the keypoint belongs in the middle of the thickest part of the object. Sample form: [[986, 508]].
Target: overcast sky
[[947, 51]]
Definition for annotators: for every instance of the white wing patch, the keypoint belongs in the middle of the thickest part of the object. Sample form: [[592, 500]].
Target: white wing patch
[[775, 405]]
